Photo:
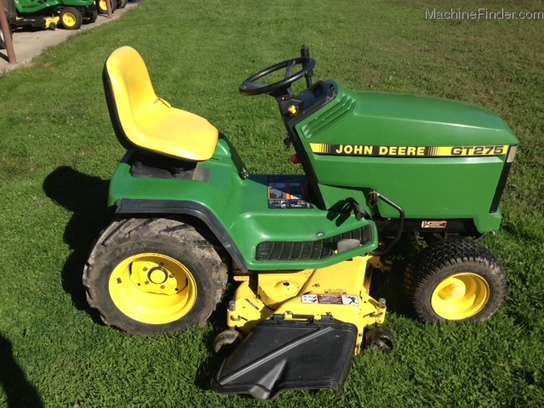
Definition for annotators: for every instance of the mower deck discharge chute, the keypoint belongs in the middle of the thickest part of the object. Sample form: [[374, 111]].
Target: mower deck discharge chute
[[279, 355], [302, 248]]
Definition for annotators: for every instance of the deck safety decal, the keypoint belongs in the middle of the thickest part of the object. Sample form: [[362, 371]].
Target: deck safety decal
[[408, 151], [330, 299]]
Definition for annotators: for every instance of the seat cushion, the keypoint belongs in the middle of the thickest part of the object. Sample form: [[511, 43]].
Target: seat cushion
[[141, 119], [174, 132]]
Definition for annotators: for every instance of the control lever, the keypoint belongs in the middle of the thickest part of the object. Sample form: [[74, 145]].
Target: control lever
[[359, 211], [305, 53]]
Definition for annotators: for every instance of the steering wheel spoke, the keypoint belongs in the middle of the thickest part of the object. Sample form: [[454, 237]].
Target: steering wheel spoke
[[289, 70]]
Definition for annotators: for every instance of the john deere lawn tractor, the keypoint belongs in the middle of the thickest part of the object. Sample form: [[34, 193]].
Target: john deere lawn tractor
[[48, 14], [301, 248]]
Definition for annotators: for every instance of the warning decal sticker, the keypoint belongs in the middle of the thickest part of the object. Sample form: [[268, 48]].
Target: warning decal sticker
[[287, 193], [348, 300]]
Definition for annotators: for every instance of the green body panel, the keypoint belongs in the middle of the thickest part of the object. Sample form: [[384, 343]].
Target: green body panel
[[34, 6], [439, 160], [241, 206], [383, 133]]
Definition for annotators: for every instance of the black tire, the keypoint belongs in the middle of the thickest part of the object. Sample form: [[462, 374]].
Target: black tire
[[9, 8], [121, 4], [11, 11], [227, 339], [154, 276], [456, 280], [380, 338], [2, 40], [70, 18], [92, 18]]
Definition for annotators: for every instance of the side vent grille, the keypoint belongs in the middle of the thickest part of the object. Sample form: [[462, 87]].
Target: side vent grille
[[309, 250], [344, 107]]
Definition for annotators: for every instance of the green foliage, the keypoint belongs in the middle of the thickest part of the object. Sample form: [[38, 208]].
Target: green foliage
[[57, 151]]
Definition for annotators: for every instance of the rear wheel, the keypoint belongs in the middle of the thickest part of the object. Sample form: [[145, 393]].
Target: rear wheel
[[70, 18], [154, 276], [102, 6], [92, 17], [121, 3], [455, 280]]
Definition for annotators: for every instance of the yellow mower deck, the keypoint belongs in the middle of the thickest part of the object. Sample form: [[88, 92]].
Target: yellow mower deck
[[302, 328], [340, 292]]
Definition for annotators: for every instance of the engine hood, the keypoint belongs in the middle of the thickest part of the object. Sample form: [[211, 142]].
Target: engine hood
[[425, 154], [372, 118]]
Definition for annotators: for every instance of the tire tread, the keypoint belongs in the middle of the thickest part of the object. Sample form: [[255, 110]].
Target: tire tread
[[449, 254], [123, 231]]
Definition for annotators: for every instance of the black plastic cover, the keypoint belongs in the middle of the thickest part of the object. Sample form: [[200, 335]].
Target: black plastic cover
[[286, 355], [320, 249]]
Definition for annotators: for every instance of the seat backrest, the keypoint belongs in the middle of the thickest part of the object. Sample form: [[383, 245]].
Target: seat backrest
[[128, 87]]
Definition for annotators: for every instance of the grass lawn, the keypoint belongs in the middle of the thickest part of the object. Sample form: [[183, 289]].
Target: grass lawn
[[58, 150]]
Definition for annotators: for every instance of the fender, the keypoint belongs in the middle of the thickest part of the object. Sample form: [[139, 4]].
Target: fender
[[164, 207]]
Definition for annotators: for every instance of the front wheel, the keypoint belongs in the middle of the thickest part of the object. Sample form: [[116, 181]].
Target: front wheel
[[70, 18], [455, 280], [154, 276]]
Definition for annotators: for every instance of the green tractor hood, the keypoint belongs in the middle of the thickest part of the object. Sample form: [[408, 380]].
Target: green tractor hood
[[391, 120], [437, 159]]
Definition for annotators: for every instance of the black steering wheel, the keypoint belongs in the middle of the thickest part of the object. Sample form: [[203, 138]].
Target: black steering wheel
[[251, 87]]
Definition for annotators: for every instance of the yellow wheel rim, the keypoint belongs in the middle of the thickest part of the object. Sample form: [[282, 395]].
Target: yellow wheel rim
[[153, 288], [103, 6], [69, 19], [460, 296]]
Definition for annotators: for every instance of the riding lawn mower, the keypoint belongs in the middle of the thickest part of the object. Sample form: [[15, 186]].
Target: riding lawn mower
[[48, 14], [301, 248]]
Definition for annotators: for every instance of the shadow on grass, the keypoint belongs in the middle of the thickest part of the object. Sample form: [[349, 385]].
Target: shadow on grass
[[86, 197], [19, 392], [210, 366], [389, 285]]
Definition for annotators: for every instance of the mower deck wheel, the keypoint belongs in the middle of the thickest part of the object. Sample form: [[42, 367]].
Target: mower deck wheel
[[455, 280], [154, 276], [226, 338], [380, 338]]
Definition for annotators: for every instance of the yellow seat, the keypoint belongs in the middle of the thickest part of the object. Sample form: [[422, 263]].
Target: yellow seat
[[142, 119]]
